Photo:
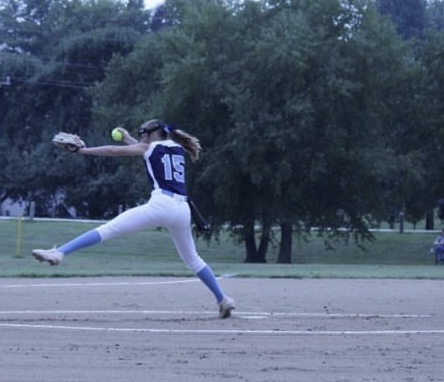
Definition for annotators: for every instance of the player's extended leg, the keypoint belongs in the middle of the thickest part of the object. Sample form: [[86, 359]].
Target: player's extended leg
[[135, 219], [55, 256], [183, 239], [184, 242]]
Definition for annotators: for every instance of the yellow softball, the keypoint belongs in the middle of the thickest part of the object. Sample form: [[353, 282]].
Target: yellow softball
[[117, 135]]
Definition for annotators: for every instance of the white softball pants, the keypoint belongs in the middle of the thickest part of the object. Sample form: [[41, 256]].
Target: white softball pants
[[160, 211]]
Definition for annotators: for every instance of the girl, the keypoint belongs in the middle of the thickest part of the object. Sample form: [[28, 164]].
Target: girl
[[163, 150]]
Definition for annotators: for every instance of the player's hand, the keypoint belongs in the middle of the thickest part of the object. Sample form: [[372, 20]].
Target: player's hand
[[127, 138], [124, 132]]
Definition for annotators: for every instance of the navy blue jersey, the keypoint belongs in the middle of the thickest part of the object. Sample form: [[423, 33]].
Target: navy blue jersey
[[165, 163]]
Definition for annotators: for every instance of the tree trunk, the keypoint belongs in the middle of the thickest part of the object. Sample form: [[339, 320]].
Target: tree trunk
[[253, 255], [284, 256], [430, 221], [263, 244], [250, 244]]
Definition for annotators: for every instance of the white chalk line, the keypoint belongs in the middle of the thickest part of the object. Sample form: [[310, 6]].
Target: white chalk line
[[195, 331], [109, 284], [224, 331], [194, 312], [98, 284]]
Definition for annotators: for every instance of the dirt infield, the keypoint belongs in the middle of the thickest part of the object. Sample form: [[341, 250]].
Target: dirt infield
[[166, 329]]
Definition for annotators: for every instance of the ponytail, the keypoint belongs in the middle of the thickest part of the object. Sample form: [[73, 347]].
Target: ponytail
[[189, 142]]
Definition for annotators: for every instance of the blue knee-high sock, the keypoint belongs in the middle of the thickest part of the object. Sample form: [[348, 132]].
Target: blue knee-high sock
[[85, 240], [207, 277]]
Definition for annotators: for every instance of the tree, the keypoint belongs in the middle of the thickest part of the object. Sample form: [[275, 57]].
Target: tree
[[55, 52], [257, 81], [430, 55], [371, 118]]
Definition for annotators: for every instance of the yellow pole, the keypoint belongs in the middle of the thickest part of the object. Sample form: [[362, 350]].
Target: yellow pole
[[19, 236]]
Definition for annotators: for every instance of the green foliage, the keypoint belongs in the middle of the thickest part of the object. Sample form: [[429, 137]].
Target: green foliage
[[311, 113], [71, 45]]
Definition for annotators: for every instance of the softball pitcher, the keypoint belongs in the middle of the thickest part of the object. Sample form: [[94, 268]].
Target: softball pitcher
[[163, 149]]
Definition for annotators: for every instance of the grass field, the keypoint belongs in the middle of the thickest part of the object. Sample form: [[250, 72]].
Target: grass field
[[151, 253]]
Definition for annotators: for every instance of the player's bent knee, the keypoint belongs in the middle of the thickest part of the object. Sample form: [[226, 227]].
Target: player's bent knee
[[196, 264]]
